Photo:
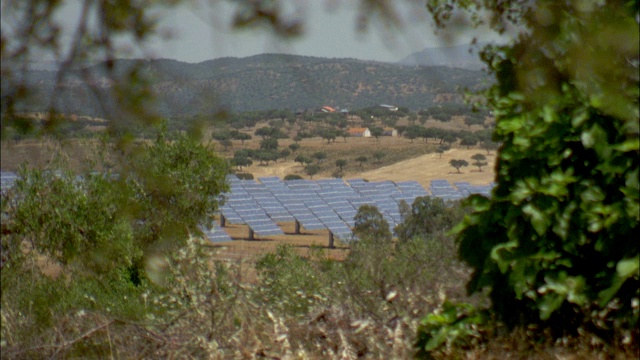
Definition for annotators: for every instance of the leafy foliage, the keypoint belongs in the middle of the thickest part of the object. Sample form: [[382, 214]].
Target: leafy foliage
[[369, 224], [454, 325], [556, 244]]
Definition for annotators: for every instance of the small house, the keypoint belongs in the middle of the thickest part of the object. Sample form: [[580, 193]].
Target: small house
[[390, 132], [359, 132]]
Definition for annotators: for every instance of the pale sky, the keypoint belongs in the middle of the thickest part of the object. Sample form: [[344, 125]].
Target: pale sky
[[203, 33], [200, 30]]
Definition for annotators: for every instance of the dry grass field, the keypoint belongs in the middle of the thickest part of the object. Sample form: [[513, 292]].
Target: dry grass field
[[404, 160]]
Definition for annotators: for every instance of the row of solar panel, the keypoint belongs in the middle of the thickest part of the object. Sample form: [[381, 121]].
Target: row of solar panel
[[323, 204]]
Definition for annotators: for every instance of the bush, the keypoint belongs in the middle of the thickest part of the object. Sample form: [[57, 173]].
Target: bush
[[244, 176]]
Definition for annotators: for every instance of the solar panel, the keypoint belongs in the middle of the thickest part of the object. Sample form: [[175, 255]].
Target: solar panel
[[440, 183], [326, 203], [7, 179], [215, 234]]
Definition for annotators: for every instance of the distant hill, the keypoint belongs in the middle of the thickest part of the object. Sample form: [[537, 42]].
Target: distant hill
[[462, 56], [262, 82]]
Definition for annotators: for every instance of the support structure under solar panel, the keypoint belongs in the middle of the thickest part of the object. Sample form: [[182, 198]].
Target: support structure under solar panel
[[215, 234]]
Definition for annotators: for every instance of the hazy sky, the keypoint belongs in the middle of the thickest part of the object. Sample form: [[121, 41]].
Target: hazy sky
[[198, 31], [203, 33]]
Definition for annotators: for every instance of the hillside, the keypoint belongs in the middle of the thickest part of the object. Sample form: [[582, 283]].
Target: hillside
[[260, 82], [461, 56]]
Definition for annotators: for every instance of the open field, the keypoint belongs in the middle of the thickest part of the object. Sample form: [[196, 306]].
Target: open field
[[403, 161]]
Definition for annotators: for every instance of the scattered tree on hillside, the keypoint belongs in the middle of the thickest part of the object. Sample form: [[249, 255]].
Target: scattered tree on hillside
[[479, 161], [320, 156], [378, 155], [284, 153], [237, 135], [265, 156], [441, 149], [376, 132], [361, 160], [328, 134], [458, 163], [294, 147], [449, 138], [311, 170], [241, 161], [413, 131], [474, 120], [303, 160], [340, 163], [269, 144], [468, 140], [226, 144]]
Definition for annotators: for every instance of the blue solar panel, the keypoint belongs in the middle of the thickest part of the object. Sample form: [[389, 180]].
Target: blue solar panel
[[7, 180], [215, 234], [326, 203]]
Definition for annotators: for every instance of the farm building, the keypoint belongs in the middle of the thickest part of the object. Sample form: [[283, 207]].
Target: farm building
[[390, 132], [359, 132]]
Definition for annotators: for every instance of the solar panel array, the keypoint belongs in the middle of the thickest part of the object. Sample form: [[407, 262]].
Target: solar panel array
[[7, 179], [323, 204], [215, 234], [315, 205]]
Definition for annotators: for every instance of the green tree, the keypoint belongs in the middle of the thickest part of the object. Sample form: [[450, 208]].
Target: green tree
[[428, 216], [361, 160], [241, 136], [269, 144], [376, 132], [371, 225], [226, 144], [311, 170], [441, 149], [413, 132], [557, 242], [474, 120], [320, 156], [294, 147], [303, 160], [449, 138], [468, 140], [378, 155], [479, 161], [265, 156], [340, 163], [103, 223], [241, 161], [458, 163], [284, 153]]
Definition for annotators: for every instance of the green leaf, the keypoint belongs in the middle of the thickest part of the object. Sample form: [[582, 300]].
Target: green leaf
[[538, 218], [628, 267]]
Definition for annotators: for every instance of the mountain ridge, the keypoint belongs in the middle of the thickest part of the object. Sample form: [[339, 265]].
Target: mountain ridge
[[266, 81]]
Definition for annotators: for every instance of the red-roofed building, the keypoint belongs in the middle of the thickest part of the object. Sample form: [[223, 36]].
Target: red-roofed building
[[359, 132]]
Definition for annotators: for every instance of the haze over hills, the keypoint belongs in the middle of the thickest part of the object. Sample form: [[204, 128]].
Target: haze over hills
[[262, 82], [462, 56]]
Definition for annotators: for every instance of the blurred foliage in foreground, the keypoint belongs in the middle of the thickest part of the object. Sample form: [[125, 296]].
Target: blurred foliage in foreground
[[556, 245]]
